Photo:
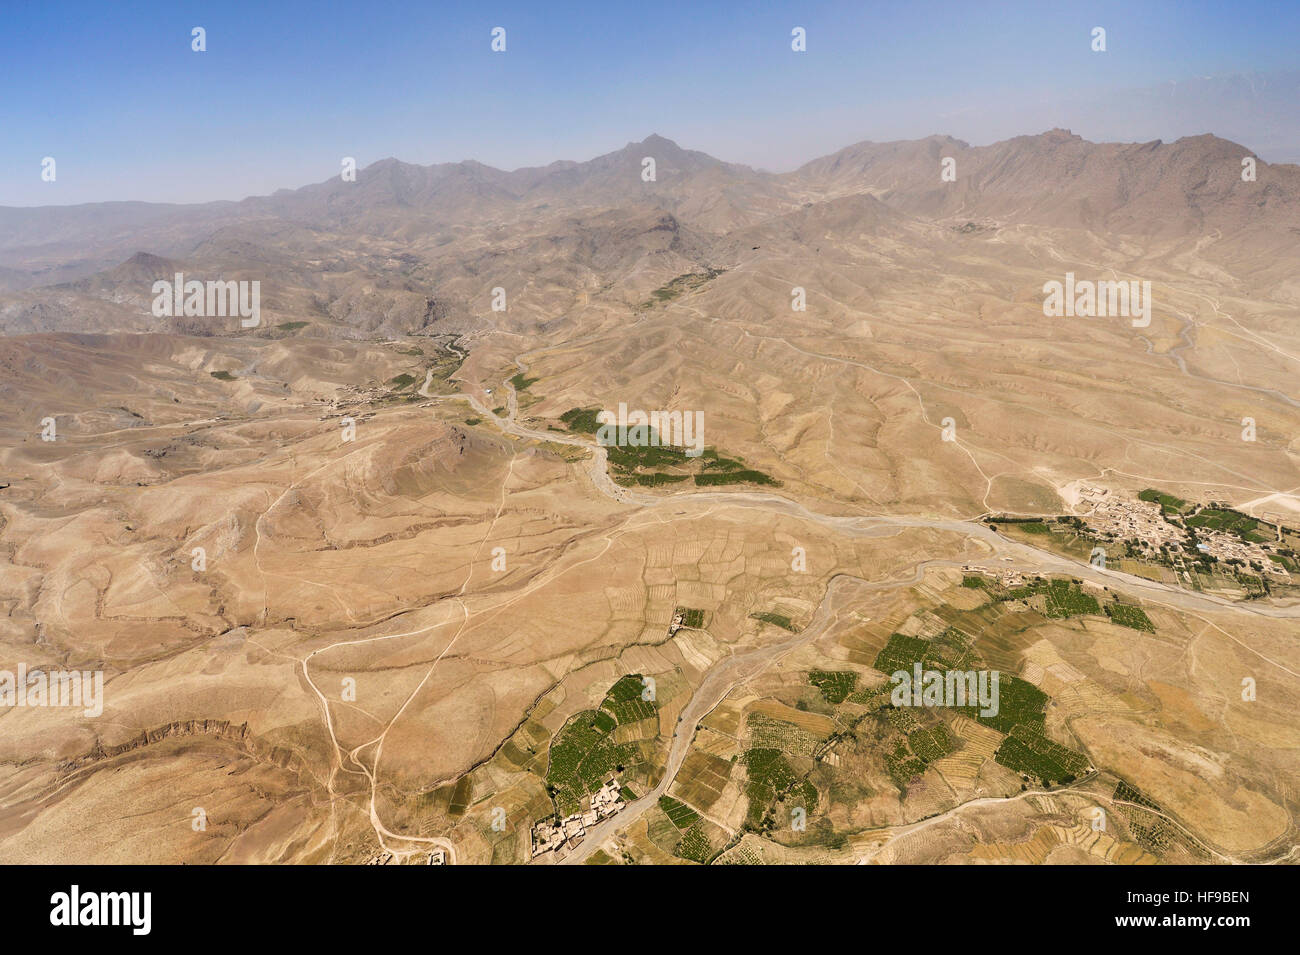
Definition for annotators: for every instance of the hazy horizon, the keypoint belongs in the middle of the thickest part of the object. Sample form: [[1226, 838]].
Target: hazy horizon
[[278, 97], [690, 147]]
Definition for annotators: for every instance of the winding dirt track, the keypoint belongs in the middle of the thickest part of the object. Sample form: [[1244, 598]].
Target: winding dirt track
[[720, 679]]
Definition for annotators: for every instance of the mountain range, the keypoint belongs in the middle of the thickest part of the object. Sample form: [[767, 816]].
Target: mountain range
[[409, 249]]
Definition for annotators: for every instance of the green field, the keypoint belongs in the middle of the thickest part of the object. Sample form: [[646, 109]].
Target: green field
[[1229, 521], [1127, 792], [711, 461], [745, 476], [1126, 615], [691, 617], [708, 469], [930, 744], [1169, 504], [679, 286], [657, 479], [771, 777], [776, 619], [695, 846], [900, 653], [1026, 750], [903, 765], [1033, 527], [581, 420], [1149, 827], [583, 756], [460, 796], [1062, 598], [682, 815], [629, 457], [1289, 563], [624, 701], [836, 685], [1020, 703]]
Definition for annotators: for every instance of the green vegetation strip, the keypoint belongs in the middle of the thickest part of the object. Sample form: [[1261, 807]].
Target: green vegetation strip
[[691, 617], [682, 815], [776, 619], [1127, 615], [770, 777], [1026, 750], [583, 756], [695, 846], [836, 685], [679, 286]]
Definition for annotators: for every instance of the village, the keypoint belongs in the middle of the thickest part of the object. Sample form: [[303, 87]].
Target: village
[[550, 835], [1144, 526], [1141, 522]]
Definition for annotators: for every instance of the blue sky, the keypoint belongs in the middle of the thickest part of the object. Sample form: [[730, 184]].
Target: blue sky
[[114, 93]]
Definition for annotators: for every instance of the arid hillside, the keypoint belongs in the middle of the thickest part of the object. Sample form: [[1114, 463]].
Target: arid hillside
[[364, 583]]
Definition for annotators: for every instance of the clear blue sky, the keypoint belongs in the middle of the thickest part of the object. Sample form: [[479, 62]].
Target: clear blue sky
[[113, 91]]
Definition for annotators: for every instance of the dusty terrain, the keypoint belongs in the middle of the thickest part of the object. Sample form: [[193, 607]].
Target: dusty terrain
[[417, 584]]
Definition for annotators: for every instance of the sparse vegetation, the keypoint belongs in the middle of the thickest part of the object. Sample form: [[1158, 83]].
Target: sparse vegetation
[[776, 619], [1144, 816], [695, 846], [679, 286], [629, 463]]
